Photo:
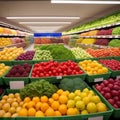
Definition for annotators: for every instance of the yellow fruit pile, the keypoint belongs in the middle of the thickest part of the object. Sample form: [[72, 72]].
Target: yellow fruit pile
[[3, 69], [5, 42], [10, 53], [63, 103], [92, 67], [88, 41], [10, 105]]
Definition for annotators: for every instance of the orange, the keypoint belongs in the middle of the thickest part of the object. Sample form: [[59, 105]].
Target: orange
[[38, 106], [63, 99], [23, 112], [71, 111], [66, 93], [55, 96], [60, 91], [50, 101], [50, 112], [36, 99], [39, 114], [27, 99], [31, 104], [25, 105], [31, 111], [44, 99], [44, 107], [57, 113], [55, 105], [63, 109]]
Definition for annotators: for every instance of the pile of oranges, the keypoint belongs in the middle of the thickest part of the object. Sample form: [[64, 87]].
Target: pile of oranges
[[44, 106]]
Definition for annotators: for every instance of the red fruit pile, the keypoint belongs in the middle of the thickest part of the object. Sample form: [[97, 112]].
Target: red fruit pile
[[105, 32], [102, 42], [105, 52], [53, 68], [112, 64], [20, 70], [110, 89]]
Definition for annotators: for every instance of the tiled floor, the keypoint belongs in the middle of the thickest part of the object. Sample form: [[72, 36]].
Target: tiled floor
[[30, 47]]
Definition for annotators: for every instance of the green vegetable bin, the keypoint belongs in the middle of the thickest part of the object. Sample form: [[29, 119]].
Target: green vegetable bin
[[7, 62], [98, 77], [116, 112], [116, 58], [15, 62]]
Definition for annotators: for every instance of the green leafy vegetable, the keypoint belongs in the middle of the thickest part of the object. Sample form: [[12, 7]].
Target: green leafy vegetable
[[38, 88], [114, 43]]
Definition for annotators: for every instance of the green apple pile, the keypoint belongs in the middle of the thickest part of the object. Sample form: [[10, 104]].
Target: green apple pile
[[43, 55], [79, 53]]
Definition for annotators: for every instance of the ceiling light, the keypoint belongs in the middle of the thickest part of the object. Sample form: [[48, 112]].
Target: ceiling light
[[85, 2], [43, 17], [28, 23]]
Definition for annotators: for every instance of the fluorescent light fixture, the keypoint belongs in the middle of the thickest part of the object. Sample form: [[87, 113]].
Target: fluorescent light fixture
[[38, 23], [43, 18], [85, 2]]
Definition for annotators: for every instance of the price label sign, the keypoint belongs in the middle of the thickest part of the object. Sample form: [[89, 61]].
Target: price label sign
[[59, 77], [98, 79], [16, 84], [96, 118], [118, 77]]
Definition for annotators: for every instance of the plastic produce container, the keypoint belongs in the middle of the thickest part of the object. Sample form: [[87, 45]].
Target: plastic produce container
[[116, 112], [47, 38]]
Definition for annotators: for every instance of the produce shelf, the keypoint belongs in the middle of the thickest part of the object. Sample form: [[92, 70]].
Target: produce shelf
[[116, 112], [99, 27], [11, 35]]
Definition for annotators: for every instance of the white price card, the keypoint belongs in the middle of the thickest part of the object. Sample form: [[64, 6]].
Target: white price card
[[16, 84], [96, 118], [118, 77], [59, 77], [98, 79]]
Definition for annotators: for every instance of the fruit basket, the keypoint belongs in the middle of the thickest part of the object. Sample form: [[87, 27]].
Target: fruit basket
[[7, 78], [116, 112]]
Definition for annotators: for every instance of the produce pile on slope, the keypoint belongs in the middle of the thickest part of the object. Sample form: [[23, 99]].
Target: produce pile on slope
[[80, 53], [5, 42], [10, 53], [105, 52], [38, 88], [114, 43], [3, 69], [28, 55], [58, 52], [92, 67], [72, 40], [102, 42], [105, 32], [88, 41], [42, 55], [110, 89], [116, 31], [53, 68]]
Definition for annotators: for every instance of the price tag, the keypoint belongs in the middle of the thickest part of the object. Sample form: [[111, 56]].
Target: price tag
[[118, 77], [98, 79], [59, 77], [16, 84], [96, 118]]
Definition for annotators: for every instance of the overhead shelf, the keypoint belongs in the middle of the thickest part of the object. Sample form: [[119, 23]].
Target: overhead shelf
[[99, 27], [101, 36], [11, 35]]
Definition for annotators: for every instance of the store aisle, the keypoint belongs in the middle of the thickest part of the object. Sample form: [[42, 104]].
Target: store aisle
[[30, 47]]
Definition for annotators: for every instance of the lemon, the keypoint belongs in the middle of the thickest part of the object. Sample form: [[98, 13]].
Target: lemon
[[91, 107], [71, 95], [77, 92], [70, 103], [95, 99], [83, 94], [84, 112], [77, 98], [86, 100], [101, 107], [80, 105]]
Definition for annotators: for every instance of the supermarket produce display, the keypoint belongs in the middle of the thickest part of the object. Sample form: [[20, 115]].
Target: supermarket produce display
[[74, 76]]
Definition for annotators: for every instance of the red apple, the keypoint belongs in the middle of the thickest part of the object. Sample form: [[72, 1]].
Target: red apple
[[111, 101], [107, 95]]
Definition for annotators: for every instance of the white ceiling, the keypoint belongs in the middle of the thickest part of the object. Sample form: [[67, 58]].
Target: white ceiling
[[44, 8]]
